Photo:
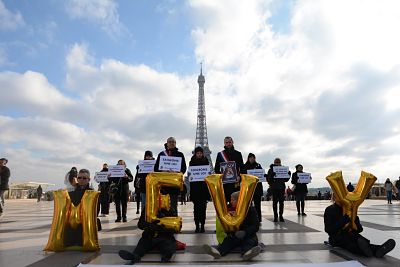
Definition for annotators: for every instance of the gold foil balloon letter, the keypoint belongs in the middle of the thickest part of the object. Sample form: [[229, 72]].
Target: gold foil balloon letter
[[155, 201], [65, 213], [231, 223], [350, 201]]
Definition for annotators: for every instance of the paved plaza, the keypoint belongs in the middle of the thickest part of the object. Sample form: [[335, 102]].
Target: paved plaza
[[25, 226]]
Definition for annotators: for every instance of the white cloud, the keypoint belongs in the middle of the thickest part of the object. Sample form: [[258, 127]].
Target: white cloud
[[100, 12], [8, 19]]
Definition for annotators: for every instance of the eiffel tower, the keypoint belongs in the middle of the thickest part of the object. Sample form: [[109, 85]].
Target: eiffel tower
[[201, 130]]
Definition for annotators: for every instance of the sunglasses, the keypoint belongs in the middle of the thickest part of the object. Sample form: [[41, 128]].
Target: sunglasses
[[82, 178]]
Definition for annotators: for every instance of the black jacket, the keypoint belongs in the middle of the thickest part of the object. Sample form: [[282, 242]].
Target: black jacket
[[140, 180], [275, 184], [232, 155], [104, 186], [173, 153], [251, 224], [300, 188], [4, 177], [199, 190], [334, 221], [123, 182], [251, 166], [151, 230]]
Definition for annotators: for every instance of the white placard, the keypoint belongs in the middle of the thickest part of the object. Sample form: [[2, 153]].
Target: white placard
[[259, 173], [146, 166], [168, 163], [304, 177], [101, 177], [116, 170], [198, 173], [282, 172]]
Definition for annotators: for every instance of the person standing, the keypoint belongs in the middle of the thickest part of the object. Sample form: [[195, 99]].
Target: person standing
[[350, 187], [171, 151], [39, 192], [140, 179], [229, 154], [300, 191], [252, 164], [397, 184], [389, 190], [4, 179], [121, 196], [104, 197], [183, 194], [278, 187], [199, 193]]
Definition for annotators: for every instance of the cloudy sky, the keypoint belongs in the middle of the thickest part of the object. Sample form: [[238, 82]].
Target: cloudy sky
[[311, 82]]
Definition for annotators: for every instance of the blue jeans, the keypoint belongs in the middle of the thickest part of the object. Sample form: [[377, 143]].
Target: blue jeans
[[389, 196]]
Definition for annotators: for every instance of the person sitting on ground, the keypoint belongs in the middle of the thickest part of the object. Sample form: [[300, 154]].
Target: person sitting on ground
[[349, 239], [245, 237], [154, 236], [73, 237]]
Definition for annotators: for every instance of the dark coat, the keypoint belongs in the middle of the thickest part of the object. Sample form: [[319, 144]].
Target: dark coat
[[275, 184], [4, 178], [151, 230], [300, 188], [232, 155], [104, 186], [173, 153], [123, 182], [140, 181], [199, 190], [251, 224], [334, 221], [251, 166]]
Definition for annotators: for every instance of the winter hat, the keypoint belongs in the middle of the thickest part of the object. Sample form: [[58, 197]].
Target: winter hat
[[198, 149]]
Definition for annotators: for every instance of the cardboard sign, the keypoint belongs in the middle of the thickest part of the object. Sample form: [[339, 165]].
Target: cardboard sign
[[168, 163], [101, 177], [259, 173], [198, 173], [116, 170], [304, 177], [229, 172], [282, 172], [146, 166]]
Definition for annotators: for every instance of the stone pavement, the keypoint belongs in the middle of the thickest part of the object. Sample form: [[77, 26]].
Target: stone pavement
[[25, 226]]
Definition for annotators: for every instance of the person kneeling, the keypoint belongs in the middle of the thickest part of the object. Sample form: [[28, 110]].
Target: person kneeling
[[351, 240], [245, 238], [153, 236]]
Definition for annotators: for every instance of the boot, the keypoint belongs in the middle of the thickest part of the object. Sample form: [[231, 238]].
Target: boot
[[197, 228], [202, 228]]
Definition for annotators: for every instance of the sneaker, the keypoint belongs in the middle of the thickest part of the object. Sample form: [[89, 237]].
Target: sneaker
[[212, 251], [251, 253], [364, 246], [385, 248]]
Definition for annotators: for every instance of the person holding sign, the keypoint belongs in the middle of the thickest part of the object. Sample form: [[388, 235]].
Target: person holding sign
[[121, 194], [140, 178], [245, 238], [104, 198], [251, 164], [340, 235], [277, 177], [300, 188], [199, 193], [171, 160], [229, 154]]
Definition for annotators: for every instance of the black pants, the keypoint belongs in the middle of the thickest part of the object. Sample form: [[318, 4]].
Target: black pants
[[348, 241], [300, 198], [278, 196], [104, 202], [121, 200], [199, 210], [230, 242], [257, 205], [166, 245], [137, 195]]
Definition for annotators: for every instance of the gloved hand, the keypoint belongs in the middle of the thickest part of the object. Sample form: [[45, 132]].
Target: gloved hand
[[240, 234]]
